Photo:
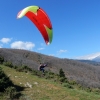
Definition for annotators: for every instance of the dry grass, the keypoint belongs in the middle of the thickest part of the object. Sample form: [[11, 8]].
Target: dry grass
[[43, 89]]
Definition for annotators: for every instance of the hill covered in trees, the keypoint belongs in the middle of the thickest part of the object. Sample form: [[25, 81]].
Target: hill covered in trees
[[86, 74]]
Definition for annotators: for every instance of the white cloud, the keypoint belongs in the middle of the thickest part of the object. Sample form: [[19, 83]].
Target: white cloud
[[51, 54], [23, 45], [89, 57], [41, 48], [62, 51], [1, 45], [5, 40]]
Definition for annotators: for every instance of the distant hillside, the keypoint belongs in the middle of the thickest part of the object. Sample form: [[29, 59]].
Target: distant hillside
[[90, 62], [85, 74]]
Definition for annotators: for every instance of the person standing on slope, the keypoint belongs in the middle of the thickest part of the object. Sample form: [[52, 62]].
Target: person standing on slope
[[41, 67]]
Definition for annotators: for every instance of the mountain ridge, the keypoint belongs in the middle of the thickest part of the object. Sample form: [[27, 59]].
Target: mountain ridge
[[91, 57]]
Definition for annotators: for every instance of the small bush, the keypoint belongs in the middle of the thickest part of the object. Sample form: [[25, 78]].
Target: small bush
[[10, 92], [4, 81], [1, 60], [37, 73], [96, 91], [63, 79], [72, 82], [15, 67], [19, 69], [9, 64], [49, 75], [80, 86], [67, 85], [88, 89], [61, 73], [23, 69], [25, 97], [34, 72], [26, 68]]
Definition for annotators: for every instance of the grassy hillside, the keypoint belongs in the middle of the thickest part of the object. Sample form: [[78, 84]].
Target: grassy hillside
[[86, 74], [42, 89]]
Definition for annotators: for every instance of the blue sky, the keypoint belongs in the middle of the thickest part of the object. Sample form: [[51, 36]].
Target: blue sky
[[76, 27]]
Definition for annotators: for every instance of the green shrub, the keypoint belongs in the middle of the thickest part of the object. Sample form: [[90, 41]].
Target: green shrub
[[63, 79], [26, 68], [37, 73], [80, 86], [34, 72], [19, 69], [96, 91], [61, 73], [49, 75], [23, 69], [9, 64], [72, 82], [4, 81], [1, 59], [25, 97], [67, 85], [10, 92], [15, 67], [88, 89]]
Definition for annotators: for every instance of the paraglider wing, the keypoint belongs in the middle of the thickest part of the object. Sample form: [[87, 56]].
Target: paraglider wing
[[41, 20]]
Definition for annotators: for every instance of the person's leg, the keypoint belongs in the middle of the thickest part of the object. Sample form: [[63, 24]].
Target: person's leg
[[43, 70]]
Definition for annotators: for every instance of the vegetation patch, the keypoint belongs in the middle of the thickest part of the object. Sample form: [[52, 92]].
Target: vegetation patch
[[24, 83]]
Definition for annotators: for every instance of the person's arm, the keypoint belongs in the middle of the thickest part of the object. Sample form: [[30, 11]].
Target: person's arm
[[45, 65], [39, 67]]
